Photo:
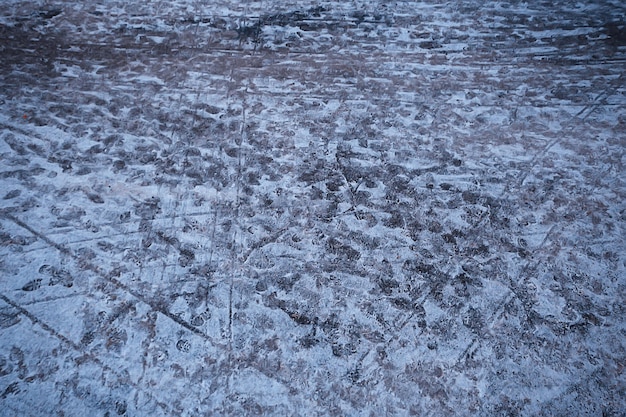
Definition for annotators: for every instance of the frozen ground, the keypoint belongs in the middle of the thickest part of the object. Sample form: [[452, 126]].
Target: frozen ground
[[358, 208]]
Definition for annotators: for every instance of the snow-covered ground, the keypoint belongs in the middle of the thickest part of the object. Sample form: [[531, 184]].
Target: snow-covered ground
[[358, 208]]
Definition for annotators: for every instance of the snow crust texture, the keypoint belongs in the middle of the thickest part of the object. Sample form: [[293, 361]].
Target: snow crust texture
[[298, 208]]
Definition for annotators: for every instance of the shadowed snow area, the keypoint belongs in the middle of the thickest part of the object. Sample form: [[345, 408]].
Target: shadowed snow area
[[299, 208]]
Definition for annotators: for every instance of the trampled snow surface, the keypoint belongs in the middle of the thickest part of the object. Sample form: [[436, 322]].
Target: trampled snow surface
[[312, 208]]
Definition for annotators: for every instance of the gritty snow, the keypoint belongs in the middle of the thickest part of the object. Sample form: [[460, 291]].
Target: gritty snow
[[312, 208]]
